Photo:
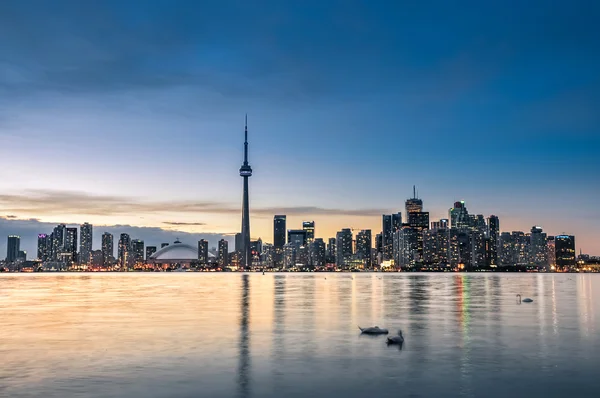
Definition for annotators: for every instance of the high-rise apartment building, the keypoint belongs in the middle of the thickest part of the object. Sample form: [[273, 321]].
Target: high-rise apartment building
[[107, 249], [85, 243], [124, 251], [317, 253], [331, 250], [70, 249], [203, 251], [296, 237], [43, 244], [387, 236], [405, 247], [343, 247], [363, 247], [538, 247], [459, 216], [150, 250], [137, 251], [58, 242], [13, 248], [223, 258], [493, 235]]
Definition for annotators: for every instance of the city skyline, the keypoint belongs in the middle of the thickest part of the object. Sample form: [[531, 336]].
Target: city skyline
[[134, 126]]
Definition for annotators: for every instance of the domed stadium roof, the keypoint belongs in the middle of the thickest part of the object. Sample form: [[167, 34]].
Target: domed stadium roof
[[177, 252]]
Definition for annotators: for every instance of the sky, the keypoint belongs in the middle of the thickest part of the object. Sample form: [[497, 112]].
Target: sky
[[131, 113]]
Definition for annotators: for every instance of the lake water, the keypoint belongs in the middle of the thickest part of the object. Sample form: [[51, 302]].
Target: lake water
[[296, 335]]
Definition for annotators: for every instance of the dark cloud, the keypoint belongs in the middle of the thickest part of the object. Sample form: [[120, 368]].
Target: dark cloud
[[28, 230], [57, 203]]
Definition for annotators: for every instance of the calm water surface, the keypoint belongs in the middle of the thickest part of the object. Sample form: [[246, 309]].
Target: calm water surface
[[296, 335]]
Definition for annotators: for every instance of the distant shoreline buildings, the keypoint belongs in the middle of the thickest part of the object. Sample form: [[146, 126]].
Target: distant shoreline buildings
[[461, 242]]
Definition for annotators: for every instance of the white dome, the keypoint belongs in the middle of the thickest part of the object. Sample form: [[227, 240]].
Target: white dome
[[176, 251]]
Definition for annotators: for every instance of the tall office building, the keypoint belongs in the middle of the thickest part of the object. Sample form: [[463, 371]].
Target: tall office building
[[203, 251], [459, 216], [223, 258], [396, 222], [419, 221], [538, 247], [413, 205], [309, 229], [551, 251], [137, 251], [124, 251], [58, 241], [70, 249], [150, 250], [317, 253], [13, 248], [296, 237], [279, 231], [435, 246], [107, 249], [343, 247], [387, 234], [245, 173], [363, 247], [85, 243], [43, 246], [405, 247], [331, 250], [493, 234], [565, 251]]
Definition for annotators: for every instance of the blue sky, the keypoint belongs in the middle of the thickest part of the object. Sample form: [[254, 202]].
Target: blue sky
[[139, 106]]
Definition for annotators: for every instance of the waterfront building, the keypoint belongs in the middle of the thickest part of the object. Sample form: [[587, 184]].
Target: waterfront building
[[331, 250], [223, 258], [459, 216], [493, 234], [13, 248], [85, 242], [419, 221], [150, 250], [565, 251], [181, 255], [238, 242], [435, 246], [203, 251], [124, 251], [344, 247], [551, 252], [58, 241], [538, 247], [43, 244], [107, 249], [387, 236], [297, 237], [137, 251], [405, 247], [309, 229], [289, 255], [279, 230], [317, 253], [363, 248], [69, 253]]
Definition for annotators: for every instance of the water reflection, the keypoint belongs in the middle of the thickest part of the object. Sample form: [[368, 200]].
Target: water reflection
[[244, 345], [295, 335]]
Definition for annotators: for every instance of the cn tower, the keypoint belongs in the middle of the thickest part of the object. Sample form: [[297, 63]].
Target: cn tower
[[245, 172]]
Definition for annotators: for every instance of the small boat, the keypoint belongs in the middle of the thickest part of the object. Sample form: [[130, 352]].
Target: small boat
[[373, 330]]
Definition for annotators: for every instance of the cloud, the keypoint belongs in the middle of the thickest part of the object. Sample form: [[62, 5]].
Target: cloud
[[57, 203], [176, 223]]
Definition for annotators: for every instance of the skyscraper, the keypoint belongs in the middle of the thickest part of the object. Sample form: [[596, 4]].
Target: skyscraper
[[203, 251], [413, 205], [150, 250], [419, 221], [124, 250], [296, 237], [238, 242], [245, 172], [363, 247], [538, 247], [309, 228], [58, 241], [387, 236], [493, 233], [137, 251], [223, 258], [565, 251], [107, 249], [279, 231], [459, 216], [344, 247], [331, 250], [42, 247], [70, 250], [13, 248], [317, 253], [85, 243]]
